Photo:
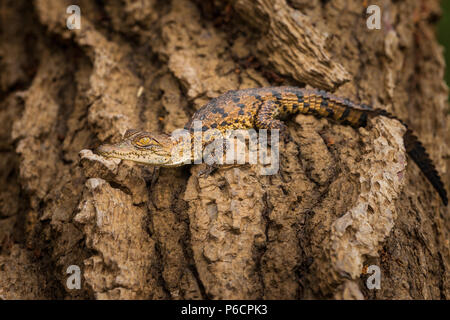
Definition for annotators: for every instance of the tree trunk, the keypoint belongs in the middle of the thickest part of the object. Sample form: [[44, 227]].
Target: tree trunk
[[345, 201]]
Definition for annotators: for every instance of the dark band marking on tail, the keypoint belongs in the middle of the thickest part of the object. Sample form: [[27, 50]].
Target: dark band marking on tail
[[363, 119], [345, 113]]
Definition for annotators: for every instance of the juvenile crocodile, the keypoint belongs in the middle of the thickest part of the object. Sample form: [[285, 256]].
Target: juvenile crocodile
[[262, 108]]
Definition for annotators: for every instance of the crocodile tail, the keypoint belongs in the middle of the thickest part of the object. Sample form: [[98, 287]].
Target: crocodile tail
[[417, 152]]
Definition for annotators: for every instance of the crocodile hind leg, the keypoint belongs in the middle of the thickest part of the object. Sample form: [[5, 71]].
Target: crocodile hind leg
[[267, 119]]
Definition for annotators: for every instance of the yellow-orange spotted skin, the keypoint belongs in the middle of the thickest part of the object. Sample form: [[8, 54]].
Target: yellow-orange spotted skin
[[262, 108]]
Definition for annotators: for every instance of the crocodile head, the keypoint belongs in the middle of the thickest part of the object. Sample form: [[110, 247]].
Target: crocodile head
[[157, 149]]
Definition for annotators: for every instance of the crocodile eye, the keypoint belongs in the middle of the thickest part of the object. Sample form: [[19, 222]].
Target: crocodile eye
[[143, 142]]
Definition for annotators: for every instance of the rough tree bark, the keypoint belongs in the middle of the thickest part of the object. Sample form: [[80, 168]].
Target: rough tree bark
[[343, 199]]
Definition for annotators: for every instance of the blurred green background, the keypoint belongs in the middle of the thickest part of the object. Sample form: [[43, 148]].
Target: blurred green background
[[444, 36]]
